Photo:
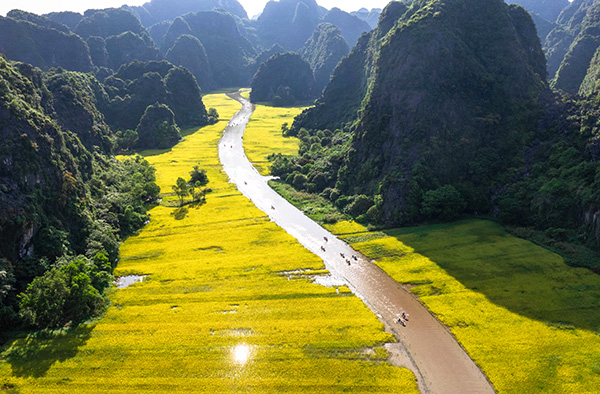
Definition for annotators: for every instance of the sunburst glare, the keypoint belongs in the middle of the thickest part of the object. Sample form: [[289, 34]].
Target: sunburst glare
[[241, 354]]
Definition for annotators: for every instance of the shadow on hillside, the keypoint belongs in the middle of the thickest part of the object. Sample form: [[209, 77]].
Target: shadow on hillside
[[512, 273], [34, 355]]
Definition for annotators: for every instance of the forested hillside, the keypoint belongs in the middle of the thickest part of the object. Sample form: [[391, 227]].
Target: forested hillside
[[323, 51], [445, 110], [62, 194], [285, 79]]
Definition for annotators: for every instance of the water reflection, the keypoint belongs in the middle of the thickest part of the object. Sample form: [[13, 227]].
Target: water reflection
[[241, 354], [126, 281]]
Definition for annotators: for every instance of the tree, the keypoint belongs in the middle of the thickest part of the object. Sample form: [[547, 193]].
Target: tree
[[198, 175], [181, 189], [198, 194], [213, 116], [126, 140]]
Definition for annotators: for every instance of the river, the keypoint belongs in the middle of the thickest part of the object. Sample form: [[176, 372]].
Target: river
[[425, 345]]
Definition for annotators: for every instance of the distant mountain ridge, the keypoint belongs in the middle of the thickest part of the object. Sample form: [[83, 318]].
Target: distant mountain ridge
[[229, 42]]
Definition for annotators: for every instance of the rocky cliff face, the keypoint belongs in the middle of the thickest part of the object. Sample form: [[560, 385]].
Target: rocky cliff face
[[456, 81], [449, 86], [40, 175], [43, 47], [547, 9], [351, 26], [571, 46], [342, 97], [323, 51], [227, 51], [284, 79]]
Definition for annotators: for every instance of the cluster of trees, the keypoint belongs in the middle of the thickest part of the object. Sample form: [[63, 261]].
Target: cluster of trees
[[193, 187], [70, 292], [62, 193]]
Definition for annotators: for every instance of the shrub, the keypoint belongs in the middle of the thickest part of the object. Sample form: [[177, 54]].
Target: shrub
[[358, 205]]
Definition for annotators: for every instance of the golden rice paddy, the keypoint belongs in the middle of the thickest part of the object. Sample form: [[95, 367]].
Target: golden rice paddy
[[528, 320], [228, 305]]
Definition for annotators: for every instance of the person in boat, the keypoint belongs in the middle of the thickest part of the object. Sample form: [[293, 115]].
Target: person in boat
[[404, 315]]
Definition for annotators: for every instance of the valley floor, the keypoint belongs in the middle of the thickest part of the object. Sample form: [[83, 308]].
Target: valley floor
[[229, 305]]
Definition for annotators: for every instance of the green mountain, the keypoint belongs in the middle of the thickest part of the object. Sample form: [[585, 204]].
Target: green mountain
[[323, 51], [38, 20], [110, 22], [546, 9], [125, 39], [61, 193], [228, 52], [476, 65], [283, 80], [158, 128], [127, 47], [67, 18], [371, 17], [288, 23], [571, 46], [351, 26], [43, 47], [157, 11], [343, 96], [262, 57], [188, 52], [137, 85], [443, 111]]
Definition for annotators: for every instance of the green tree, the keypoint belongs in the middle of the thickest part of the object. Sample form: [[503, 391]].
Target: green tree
[[71, 292], [198, 175], [127, 140], [198, 194], [181, 189], [213, 116]]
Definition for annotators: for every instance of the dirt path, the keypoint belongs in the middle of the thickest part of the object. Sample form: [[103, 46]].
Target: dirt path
[[426, 346]]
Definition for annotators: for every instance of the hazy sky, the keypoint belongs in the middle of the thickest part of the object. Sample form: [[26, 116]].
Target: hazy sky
[[253, 7]]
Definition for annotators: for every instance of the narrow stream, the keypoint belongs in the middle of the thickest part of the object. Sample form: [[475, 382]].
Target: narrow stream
[[427, 347]]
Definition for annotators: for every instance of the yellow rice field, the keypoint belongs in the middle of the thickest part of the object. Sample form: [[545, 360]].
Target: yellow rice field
[[528, 320], [263, 135], [228, 306]]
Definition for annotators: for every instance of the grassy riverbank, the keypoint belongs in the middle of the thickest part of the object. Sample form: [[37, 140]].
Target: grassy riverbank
[[263, 135], [228, 306], [531, 322]]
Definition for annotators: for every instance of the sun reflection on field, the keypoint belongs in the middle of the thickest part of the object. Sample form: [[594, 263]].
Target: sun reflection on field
[[241, 354]]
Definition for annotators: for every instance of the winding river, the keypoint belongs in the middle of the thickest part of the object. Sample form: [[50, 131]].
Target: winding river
[[425, 345]]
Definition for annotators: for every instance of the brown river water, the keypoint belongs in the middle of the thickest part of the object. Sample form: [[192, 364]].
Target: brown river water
[[425, 345]]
